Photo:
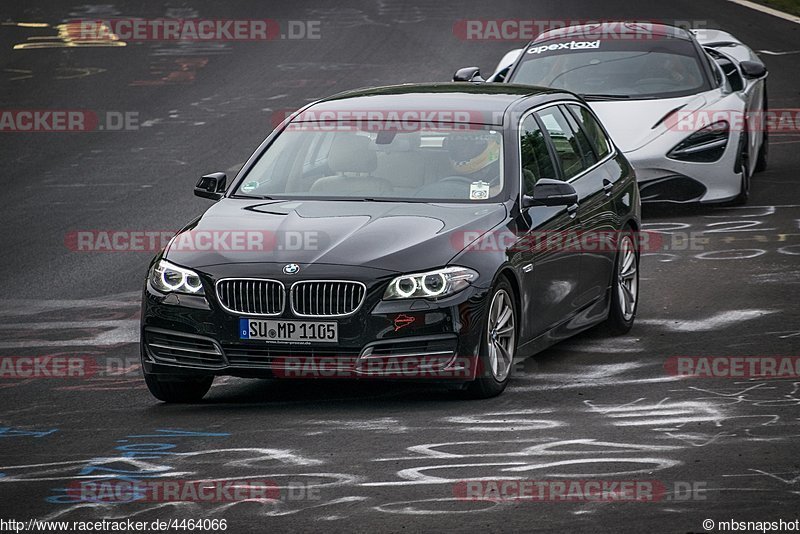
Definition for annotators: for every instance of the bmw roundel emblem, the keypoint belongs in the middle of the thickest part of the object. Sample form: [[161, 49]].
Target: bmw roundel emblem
[[291, 268]]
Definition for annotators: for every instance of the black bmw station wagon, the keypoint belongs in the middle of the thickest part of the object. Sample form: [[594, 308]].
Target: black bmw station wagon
[[438, 232]]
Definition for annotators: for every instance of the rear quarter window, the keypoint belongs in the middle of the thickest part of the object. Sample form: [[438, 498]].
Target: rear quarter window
[[597, 137]]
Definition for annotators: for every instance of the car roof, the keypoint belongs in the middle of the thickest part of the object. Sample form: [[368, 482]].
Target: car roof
[[484, 103], [608, 28]]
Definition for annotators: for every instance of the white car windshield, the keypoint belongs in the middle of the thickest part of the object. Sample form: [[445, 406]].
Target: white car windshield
[[463, 162], [661, 67]]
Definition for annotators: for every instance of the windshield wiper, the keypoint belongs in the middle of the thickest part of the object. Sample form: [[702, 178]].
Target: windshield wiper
[[597, 96]]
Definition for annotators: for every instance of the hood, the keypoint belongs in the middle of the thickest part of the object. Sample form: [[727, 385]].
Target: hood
[[393, 236], [631, 122]]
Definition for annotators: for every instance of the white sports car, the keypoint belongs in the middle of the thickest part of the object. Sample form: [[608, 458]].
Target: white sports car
[[688, 108]]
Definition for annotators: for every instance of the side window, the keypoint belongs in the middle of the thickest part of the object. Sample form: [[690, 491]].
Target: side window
[[729, 69], [587, 151], [714, 69], [564, 142], [597, 137], [536, 162]]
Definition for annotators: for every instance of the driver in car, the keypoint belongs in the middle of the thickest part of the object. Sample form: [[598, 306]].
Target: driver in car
[[476, 156], [677, 72]]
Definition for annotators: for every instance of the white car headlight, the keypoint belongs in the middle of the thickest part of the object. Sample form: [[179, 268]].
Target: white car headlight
[[170, 278], [432, 284], [703, 146]]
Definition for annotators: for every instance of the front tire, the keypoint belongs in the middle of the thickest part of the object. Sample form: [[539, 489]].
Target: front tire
[[176, 388], [763, 154], [498, 344], [624, 288], [763, 150], [744, 162]]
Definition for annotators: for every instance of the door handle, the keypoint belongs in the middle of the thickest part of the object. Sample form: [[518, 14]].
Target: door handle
[[572, 210], [608, 186]]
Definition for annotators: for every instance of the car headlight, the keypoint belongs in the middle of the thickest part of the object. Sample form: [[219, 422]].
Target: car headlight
[[704, 146], [170, 278], [432, 284]]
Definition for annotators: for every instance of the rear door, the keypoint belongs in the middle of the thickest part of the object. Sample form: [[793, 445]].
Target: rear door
[[596, 187]]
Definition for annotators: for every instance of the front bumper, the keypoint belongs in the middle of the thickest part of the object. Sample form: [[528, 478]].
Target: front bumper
[[662, 179], [414, 339]]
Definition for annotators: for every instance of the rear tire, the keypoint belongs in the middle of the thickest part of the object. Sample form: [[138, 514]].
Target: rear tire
[[176, 388], [624, 287], [498, 344]]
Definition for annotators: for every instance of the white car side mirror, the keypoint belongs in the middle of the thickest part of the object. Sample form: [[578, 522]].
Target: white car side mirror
[[508, 59]]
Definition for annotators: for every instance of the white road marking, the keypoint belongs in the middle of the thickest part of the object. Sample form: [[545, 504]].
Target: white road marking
[[111, 331], [661, 413], [792, 479], [596, 383], [17, 307], [771, 53], [652, 463], [334, 502], [413, 508], [767, 10], [714, 322], [121, 331], [383, 424], [540, 447], [511, 421], [604, 346]]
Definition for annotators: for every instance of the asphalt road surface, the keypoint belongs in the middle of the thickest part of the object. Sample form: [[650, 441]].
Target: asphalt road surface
[[364, 456]]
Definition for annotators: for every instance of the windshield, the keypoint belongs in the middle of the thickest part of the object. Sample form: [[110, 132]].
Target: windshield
[[463, 162], [662, 68]]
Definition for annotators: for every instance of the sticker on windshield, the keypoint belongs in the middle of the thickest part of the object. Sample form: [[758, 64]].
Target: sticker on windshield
[[249, 186], [572, 45], [478, 190]]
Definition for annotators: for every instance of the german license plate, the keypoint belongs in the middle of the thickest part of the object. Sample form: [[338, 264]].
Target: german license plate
[[289, 331]]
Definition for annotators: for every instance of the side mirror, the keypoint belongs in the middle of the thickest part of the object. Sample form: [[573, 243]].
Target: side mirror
[[211, 186], [508, 60], [468, 74], [499, 76], [549, 192], [753, 69]]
